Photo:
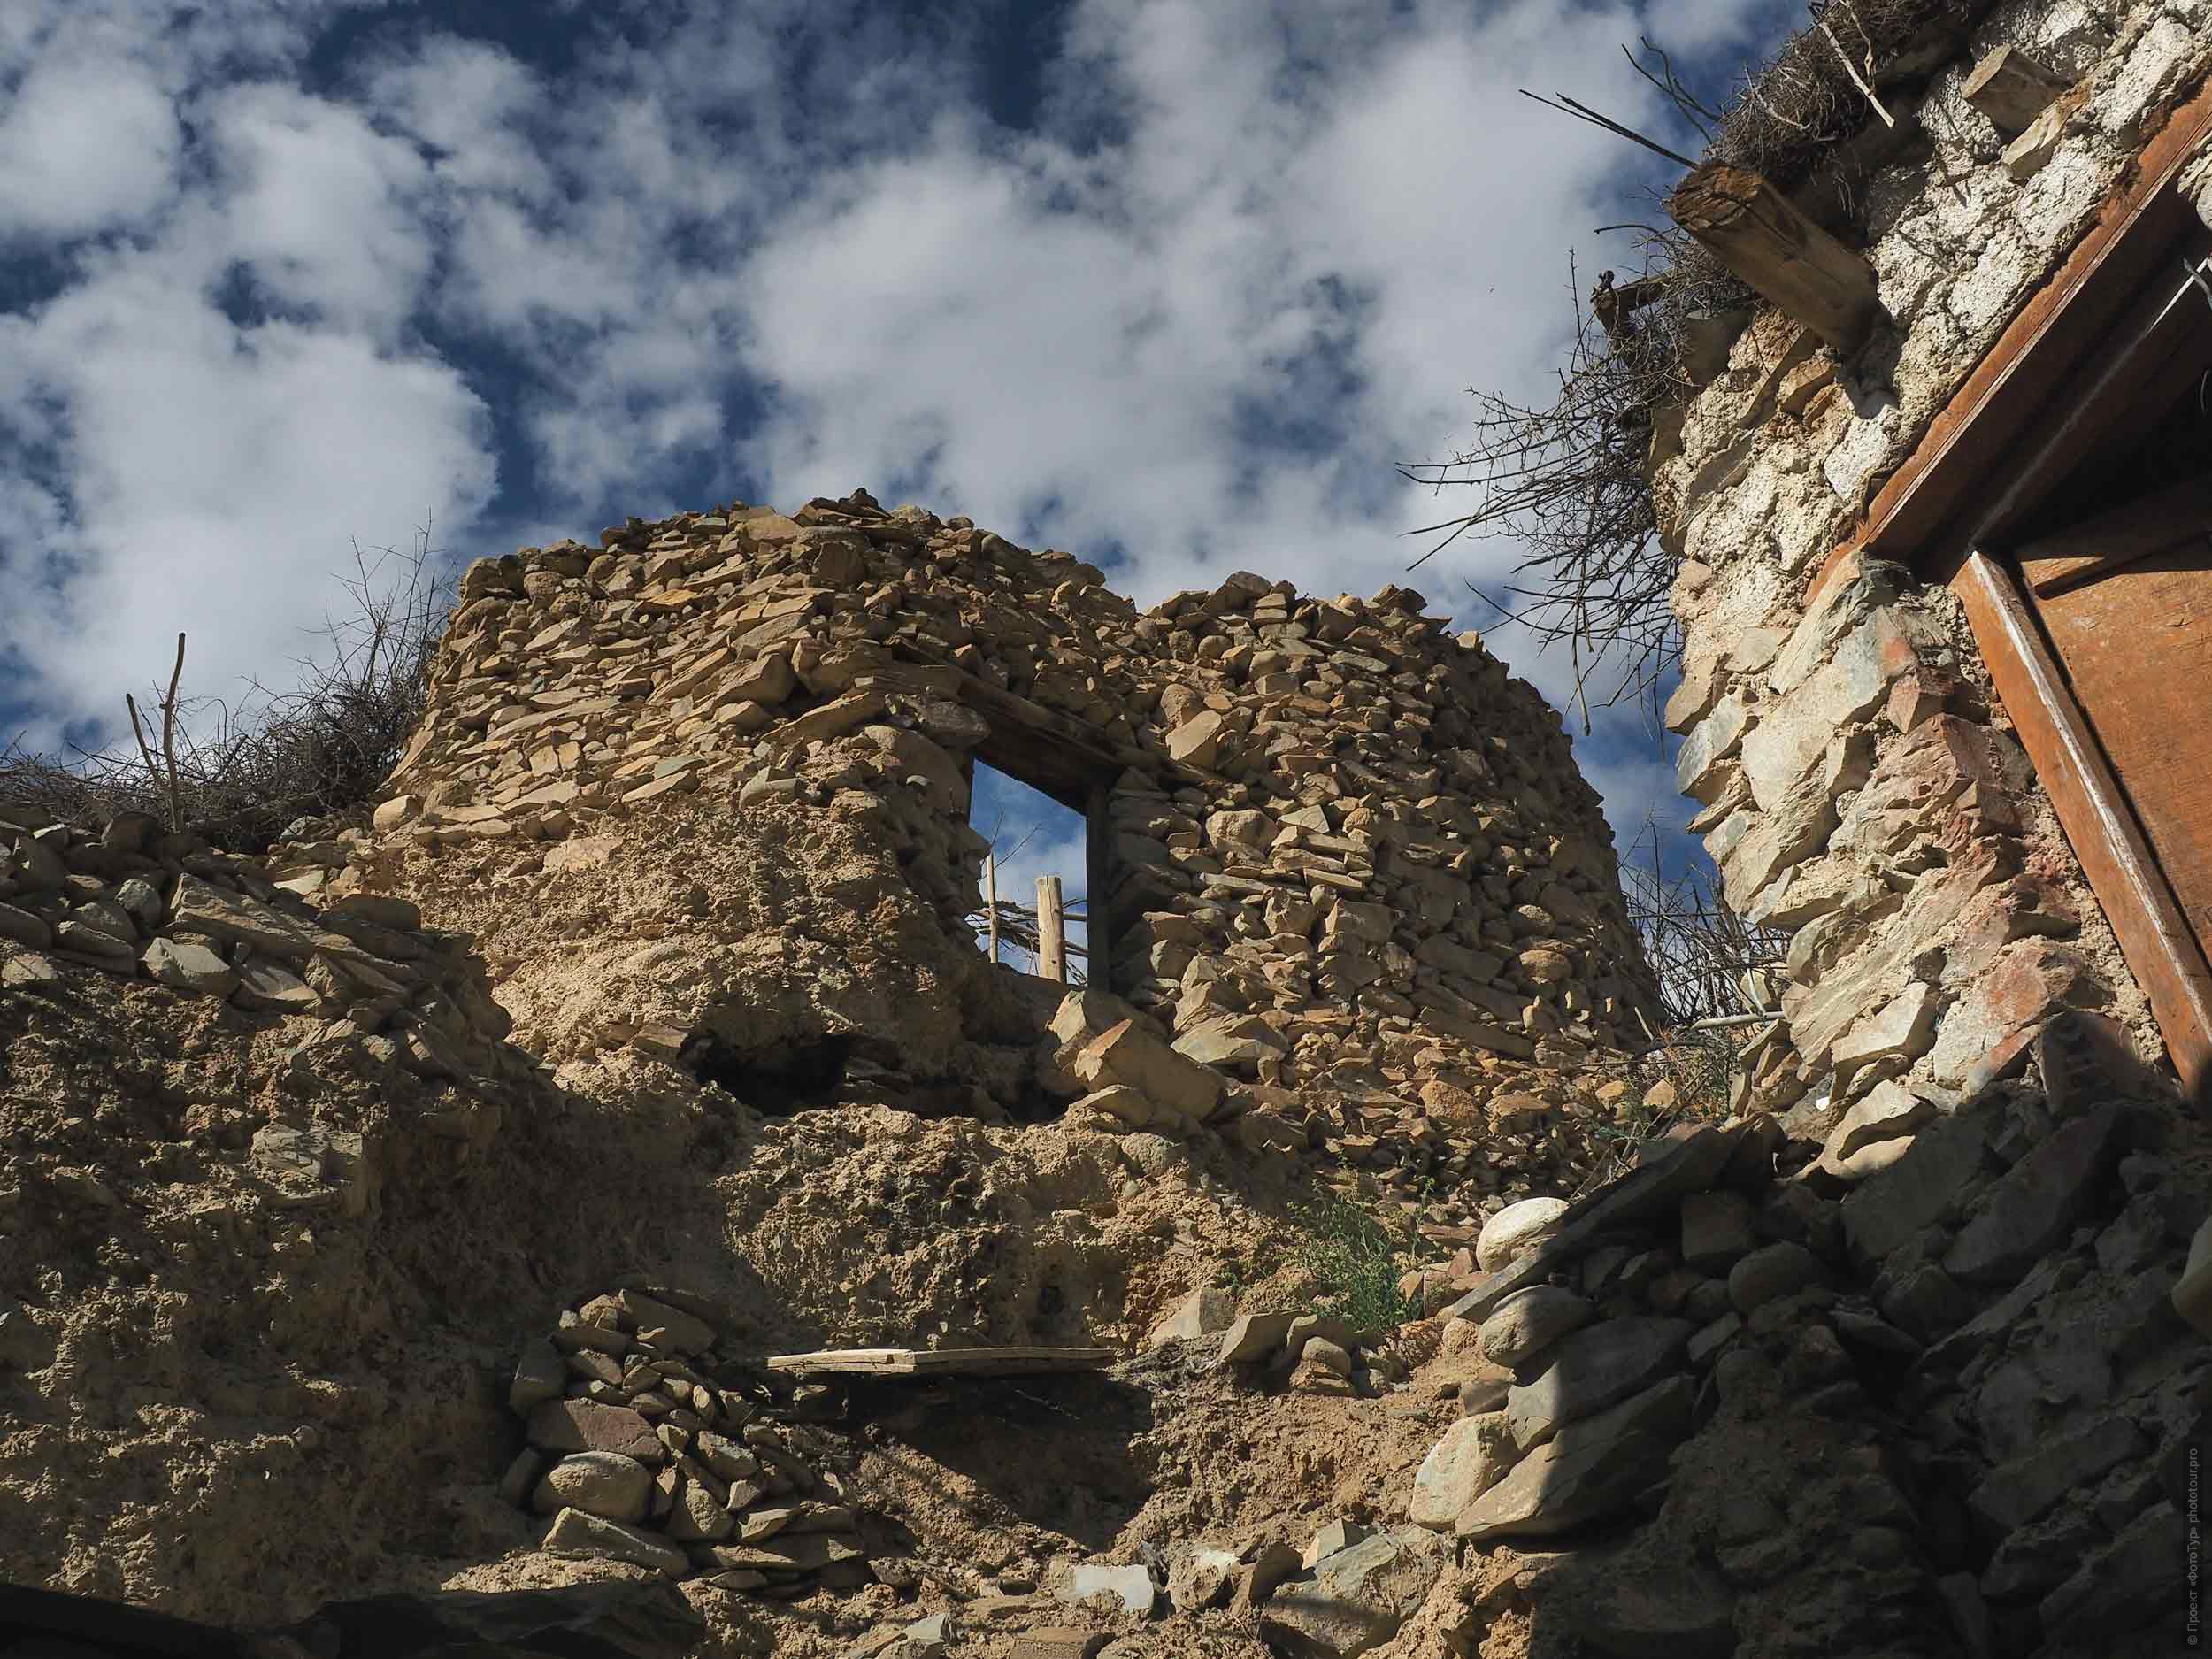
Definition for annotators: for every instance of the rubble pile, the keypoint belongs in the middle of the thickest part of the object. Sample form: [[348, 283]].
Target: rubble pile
[[640, 1454], [138, 903]]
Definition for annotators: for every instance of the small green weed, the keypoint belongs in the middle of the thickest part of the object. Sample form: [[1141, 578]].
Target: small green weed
[[1355, 1262]]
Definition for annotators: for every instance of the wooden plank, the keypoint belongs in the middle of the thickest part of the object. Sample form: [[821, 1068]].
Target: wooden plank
[[942, 1361], [2161, 952], [990, 900], [1757, 233], [2136, 647], [1969, 439], [2112, 540], [1052, 937]]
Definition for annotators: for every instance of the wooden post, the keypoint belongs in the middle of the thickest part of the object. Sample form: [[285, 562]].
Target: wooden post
[[990, 898], [1753, 229], [1052, 939]]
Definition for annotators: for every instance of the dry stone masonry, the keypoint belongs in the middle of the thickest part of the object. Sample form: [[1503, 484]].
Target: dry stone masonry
[[1350, 888], [136, 904], [1963, 1390], [644, 1446]]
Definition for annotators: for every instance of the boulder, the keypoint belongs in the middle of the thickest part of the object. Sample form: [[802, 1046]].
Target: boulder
[[1531, 1320], [1781, 1269], [1130, 1586], [1882, 1212], [1588, 1468], [187, 964], [1128, 1053], [1254, 1336], [679, 1332], [604, 1484], [1584, 1373], [1717, 1231], [539, 1376], [2193, 1291], [1204, 1311], [1681, 1611], [1354, 1600], [1514, 1229], [2016, 1493], [1475, 1454]]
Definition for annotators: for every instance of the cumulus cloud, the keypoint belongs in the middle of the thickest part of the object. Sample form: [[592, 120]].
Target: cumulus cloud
[[1229, 264]]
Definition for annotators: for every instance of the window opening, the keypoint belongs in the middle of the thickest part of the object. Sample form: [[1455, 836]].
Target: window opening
[[1031, 835]]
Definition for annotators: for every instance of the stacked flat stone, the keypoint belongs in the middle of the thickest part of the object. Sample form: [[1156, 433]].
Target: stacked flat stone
[[1342, 842], [639, 1455], [2022, 1241], [135, 903]]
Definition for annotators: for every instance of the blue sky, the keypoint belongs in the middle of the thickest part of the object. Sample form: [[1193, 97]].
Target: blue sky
[[1171, 284]]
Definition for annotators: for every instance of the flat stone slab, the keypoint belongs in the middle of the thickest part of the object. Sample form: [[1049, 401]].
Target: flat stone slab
[[1355, 1599], [942, 1361], [1590, 1370], [587, 1425], [2032, 1209], [1588, 1468], [575, 1533]]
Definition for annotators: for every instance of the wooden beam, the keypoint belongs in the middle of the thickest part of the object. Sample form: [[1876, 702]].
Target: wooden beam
[[2127, 382], [941, 1362], [2140, 530], [2011, 88], [1052, 937], [2039, 349], [1753, 228], [2161, 950], [990, 900]]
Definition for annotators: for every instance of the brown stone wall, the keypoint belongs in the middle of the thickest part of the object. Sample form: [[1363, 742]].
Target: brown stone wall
[[1855, 782]]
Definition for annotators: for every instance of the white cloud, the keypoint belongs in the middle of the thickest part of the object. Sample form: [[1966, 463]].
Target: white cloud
[[84, 145], [319, 205], [212, 477]]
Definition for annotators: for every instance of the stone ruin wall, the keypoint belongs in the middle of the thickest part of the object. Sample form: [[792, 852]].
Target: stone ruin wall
[[1348, 856], [1856, 782]]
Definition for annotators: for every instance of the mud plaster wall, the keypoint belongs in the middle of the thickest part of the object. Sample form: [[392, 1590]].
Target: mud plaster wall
[[1332, 831], [1857, 783]]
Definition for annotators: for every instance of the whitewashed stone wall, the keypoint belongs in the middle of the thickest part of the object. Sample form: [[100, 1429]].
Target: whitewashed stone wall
[[1855, 781]]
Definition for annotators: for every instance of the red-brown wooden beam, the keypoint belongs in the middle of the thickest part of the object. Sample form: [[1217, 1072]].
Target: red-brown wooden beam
[[2163, 953]]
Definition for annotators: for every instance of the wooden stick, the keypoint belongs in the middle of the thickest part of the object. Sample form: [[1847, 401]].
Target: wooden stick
[[169, 739], [1052, 942], [1856, 80], [990, 898]]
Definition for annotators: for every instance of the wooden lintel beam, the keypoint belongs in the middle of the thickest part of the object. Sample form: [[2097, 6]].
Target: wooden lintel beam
[[1757, 233], [2042, 346], [2161, 950]]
